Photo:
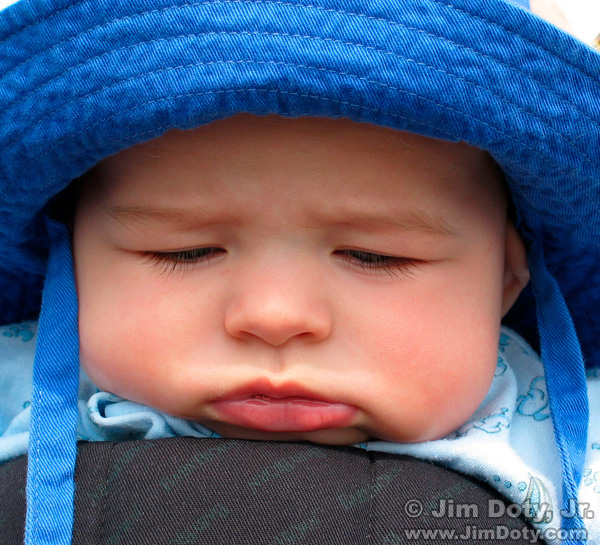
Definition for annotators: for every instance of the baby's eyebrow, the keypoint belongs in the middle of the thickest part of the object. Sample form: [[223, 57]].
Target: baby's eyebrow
[[414, 220], [189, 219], [184, 219]]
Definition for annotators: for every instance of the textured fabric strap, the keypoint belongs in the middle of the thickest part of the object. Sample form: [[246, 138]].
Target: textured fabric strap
[[190, 491], [565, 378], [52, 443]]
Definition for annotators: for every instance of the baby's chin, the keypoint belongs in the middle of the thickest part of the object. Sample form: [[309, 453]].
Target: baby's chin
[[334, 437]]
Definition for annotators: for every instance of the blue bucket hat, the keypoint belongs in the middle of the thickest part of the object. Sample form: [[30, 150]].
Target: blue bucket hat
[[82, 79]]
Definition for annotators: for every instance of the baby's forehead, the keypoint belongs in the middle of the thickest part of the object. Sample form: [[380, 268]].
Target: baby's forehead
[[329, 156], [245, 130]]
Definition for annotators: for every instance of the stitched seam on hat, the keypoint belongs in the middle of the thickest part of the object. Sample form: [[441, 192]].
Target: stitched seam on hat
[[244, 89], [294, 65], [192, 65], [192, 5], [291, 4], [322, 39], [325, 99], [38, 21], [504, 29], [339, 12]]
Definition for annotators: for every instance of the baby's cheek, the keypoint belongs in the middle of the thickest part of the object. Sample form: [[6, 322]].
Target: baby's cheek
[[104, 357], [138, 351], [114, 346], [432, 388], [459, 391]]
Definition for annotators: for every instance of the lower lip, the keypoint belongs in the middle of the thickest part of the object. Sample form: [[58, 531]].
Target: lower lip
[[288, 414]]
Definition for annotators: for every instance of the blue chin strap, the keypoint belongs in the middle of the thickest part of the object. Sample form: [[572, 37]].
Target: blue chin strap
[[52, 449], [565, 379], [52, 442]]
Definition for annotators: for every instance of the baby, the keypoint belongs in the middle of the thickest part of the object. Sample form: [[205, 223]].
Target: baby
[[297, 279], [302, 277], [311, 279]]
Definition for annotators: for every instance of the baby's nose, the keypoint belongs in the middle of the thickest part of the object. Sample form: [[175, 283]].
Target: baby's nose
[[278, 310]]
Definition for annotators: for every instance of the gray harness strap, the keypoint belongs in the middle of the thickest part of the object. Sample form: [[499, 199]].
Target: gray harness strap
[[187, 491]]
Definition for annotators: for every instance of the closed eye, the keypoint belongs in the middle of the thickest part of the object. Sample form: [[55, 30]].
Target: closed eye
[[169, 262], [172, 261], [394, 266]]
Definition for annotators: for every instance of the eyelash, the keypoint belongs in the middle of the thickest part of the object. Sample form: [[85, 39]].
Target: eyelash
[[393, 266], [170, 262]]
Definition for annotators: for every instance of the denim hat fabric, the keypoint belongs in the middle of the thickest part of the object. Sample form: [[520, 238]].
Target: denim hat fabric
[[83, 79]]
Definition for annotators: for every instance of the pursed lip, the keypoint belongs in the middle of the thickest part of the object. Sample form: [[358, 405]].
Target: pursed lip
[[288, 407], [264, 387]]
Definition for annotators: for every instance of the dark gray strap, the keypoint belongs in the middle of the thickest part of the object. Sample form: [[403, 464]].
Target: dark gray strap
[[187, 491]]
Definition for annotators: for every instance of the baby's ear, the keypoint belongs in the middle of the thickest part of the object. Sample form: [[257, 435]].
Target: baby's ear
[[516, 271]]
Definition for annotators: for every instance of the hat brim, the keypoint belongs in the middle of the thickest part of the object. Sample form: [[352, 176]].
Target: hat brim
[[82, 79]]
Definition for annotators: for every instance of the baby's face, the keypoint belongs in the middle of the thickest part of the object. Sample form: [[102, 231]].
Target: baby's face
[[307, 279]]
